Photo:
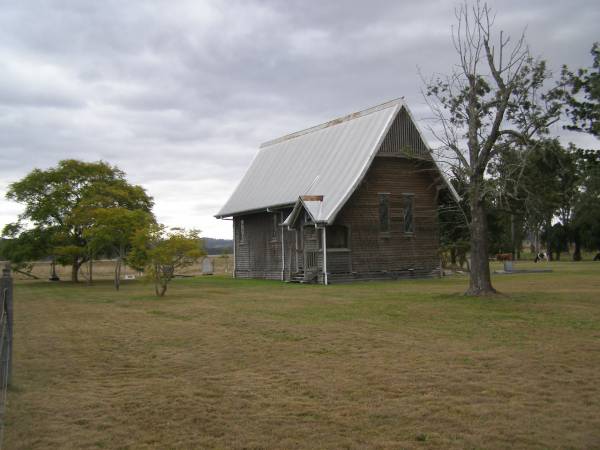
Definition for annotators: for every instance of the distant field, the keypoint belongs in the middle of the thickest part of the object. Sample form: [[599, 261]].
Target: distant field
[[104, 269], [222, 363]]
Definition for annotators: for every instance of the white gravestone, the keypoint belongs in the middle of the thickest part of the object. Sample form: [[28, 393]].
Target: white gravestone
[[207, 266]]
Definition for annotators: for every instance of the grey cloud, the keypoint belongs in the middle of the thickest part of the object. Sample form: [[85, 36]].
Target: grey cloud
[[180, 95]]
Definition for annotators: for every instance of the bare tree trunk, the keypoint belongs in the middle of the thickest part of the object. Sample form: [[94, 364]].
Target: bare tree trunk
[[513, 242], [118, 274], [90, 268], [27, 274], [479, 282]]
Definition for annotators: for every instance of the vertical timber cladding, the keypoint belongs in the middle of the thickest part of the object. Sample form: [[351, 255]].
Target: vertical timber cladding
[[403, 139], [259, 247], [395, 252]]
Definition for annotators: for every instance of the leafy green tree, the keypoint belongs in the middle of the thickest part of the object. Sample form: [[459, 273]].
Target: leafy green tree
[[55, 203], [112, 230], [22, 247], [583, 95], [160, 253], [586, 211], [536, 188]]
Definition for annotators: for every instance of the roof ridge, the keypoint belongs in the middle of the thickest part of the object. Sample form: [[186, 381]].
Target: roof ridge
[[345, 118]]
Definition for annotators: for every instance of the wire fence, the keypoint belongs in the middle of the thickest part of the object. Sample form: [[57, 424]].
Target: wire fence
[[6, 335]]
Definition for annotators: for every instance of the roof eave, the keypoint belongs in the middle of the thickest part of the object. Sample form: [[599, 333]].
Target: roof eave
[[253, 211]]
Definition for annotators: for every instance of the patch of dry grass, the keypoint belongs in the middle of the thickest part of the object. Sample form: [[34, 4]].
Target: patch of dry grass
[[252, 364]]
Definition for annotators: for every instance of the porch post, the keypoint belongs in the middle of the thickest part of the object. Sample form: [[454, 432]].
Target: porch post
[[282, 252], [234, 261], [325, 255]]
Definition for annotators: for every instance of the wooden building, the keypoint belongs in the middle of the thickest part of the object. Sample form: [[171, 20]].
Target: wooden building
[[354, 198]]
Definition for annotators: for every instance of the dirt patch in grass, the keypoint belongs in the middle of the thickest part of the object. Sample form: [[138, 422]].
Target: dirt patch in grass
[[222, 363]]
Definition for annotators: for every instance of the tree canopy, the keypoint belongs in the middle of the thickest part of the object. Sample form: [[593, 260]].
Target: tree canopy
[[583, 95], [58, 205], [160, 252]]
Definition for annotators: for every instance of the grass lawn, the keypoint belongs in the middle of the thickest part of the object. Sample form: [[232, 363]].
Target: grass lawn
[[253, 364]]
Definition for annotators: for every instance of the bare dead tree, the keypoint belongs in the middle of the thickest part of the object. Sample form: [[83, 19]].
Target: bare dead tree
[[493, 99]]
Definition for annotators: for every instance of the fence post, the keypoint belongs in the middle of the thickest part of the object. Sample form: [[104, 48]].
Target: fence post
[[6, 288]]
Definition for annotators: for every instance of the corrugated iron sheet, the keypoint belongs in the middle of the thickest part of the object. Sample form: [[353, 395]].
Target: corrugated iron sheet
[[328, 160]]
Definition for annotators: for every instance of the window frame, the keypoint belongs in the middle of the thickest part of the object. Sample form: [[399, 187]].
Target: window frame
[[388, 200], [405, 197], [335, 249]]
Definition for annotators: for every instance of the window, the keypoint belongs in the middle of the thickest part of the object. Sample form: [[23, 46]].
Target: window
[[408, 213], [384, 212], [242, 231], [337, 237]]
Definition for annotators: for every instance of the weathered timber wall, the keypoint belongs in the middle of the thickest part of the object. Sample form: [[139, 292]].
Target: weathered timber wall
[[258, 254], [395, 253]]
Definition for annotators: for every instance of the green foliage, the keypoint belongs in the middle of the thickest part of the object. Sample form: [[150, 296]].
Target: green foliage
[[453, 221], [586, 214], [111, 230], [20, 247], [160, 253], [583, 95], [60, 204]]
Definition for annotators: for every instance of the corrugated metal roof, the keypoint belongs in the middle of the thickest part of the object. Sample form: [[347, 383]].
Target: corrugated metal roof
[[329, 160]]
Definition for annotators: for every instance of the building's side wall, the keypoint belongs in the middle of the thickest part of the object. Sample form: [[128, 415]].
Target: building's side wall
[[374, 254], [258, 253]]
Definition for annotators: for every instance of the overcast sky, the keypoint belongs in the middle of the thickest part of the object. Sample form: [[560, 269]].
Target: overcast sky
[[179, 94]]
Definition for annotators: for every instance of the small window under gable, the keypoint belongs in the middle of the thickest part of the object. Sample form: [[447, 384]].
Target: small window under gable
[[337, 237], [409, 226], [384, 212]]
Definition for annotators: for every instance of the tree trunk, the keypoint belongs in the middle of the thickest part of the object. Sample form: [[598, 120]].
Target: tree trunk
[[160, 289], [513, 242], [577, 251], [91, 268], [118, 274], [75, 270], [453, 255], [479, 282]]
